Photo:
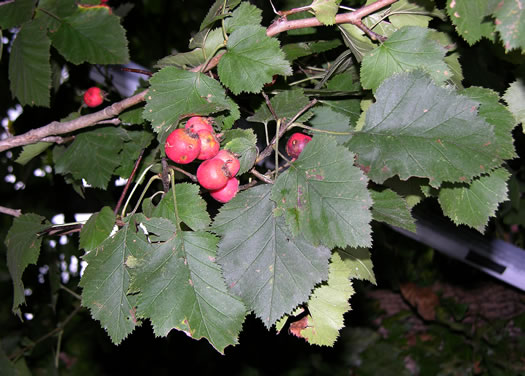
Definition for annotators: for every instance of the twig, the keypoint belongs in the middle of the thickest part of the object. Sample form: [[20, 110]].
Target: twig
[[371, 34], [57, 139], [269, 104], [140, 71], [13, 212], [128, 183], [247, 186], [165, 175], [191, 176], [260, 176]]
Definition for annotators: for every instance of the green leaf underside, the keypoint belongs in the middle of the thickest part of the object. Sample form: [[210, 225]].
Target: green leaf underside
[[416, 128], [252, 60], [286, 104], [177, 93], [391, 208], [268, 268], [510, 23], [325, 10], [294, 51], [97, 229], [360, 263], [474, 204], [106, 280], [324, 196], [470, 18], [93, 155], [357, 42], [31, 151], [29, 67], [180, 286], [325, 118], [138, 140], [407, 49], [242, 142], [246, 14], [497, 115], [328, 304], [515, 98], [191, 208], [15, 13], [23, 249], [92, 35]]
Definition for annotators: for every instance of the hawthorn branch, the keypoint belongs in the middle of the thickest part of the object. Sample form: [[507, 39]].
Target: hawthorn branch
[[9, 211], [56, 128]]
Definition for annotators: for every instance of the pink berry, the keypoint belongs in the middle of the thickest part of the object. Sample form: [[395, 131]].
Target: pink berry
[[93, 97], [209, 145], [227, 192], [296, 144], [182, 146], [231, 161], [198, 123], [213, 174]]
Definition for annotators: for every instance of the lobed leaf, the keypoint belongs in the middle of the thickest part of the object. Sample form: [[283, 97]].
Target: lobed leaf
[[268, 268], [246, 14], [324, 196]]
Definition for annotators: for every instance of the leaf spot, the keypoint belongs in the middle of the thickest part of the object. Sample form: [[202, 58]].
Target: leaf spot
[[452, 3], [456, 14]]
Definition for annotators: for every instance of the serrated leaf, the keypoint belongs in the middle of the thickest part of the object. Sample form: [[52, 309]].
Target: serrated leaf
[[93, 155], [23, 249], [286, 105], [244, 143], [416, 128], [359, 263], [97, 229], [510, 23], [215, 12], [138, 140], [294, 51], [268, 268], [496, 114], [324, 196], [92, 35], [251, 60], [191, 208], [325, 10], [245, 15], [391, 208], [15, 13], [328, 304], [407, 49], [176, 93], [515, 98], [326, 119], [31, 151], [412, 13], [106, 280], [470, 19], [29, 67], [474, 204], [181, 286]]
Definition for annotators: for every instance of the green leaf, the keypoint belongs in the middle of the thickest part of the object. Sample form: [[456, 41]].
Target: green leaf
[[407, 49], [510, 23], [215, 13], [325, 10], [138, 140], [132, 116], [496, 114], [325, 118], [328, 304], [15, 13], [391, 208], [294, 51], [324, 196], [359, 263], [515, 98], [23, 248], [416, 128], [268, 268], [92, 35], [286, 105], [181, 286], [58, 8], [191, 208], [31, 151], [356, 41], [453, 63], [97, 229], [93, 155], [470, 18], [474, 204], [252, 60], [29, 67], [177, 93], [412, 13], [106, 280], [244, 143], [245, 15]]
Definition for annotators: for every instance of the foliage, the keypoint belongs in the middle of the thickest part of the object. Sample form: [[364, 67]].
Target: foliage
[[381, 90]]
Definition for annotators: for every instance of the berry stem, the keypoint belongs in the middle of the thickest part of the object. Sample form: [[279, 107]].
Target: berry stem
[[191, 176], [336, 133], [141, 178], [177, 222], [128, 183]]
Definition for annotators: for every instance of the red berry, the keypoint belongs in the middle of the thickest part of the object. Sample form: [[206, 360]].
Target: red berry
[[198, 123], [227, 192], [182, 146], [209, 145], [296, 144], [93, 97], [213, 174], [231, 161]]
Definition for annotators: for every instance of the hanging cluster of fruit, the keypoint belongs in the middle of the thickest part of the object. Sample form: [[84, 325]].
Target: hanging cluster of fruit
[[197, 140]]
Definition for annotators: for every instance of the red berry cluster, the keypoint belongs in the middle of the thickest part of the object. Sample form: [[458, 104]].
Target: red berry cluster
[[197, 140]]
